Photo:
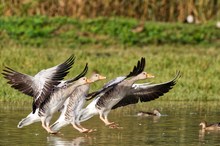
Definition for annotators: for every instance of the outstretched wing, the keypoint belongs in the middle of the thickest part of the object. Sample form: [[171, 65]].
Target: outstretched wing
[[146, 92], [83, 73], [110, 85], [41, 85], [19, 81]]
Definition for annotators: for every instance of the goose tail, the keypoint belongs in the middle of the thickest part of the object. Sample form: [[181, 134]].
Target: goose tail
[[88, 112], [31, 118], [56, 126]]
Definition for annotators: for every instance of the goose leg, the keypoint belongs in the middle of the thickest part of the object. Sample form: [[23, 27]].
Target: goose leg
[[110, 124], [105, 120], [45, 125], [85, 129], [81, 130], [77, 123]]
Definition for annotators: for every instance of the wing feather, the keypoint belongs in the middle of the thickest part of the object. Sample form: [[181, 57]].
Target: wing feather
[[41, 85], [110, 85], [146, 92]]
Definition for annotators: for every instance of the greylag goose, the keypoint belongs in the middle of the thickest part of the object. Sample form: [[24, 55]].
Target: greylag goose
[[205, 126], [154, 113], [122, 91], [55, 101], [73, 105], [40, 85]]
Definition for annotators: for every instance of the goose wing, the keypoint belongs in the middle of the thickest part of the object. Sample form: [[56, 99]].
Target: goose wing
[[83, 73], [146, 92], [110, 85], [105, 88], [65, 82], [41, 85]]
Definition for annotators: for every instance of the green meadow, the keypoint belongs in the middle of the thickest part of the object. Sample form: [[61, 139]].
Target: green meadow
[[109, 47]]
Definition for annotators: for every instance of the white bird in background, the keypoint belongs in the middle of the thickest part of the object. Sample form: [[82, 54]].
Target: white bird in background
[[122, 91], [73, 105]]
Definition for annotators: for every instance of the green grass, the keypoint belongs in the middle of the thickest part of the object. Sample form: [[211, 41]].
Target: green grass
[[199, 67], [41, 31]]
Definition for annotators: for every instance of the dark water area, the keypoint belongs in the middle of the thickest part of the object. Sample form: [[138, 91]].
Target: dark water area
[[178, 125]]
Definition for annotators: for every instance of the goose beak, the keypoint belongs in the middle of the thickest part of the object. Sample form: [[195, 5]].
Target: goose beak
[[102, 77], [150, 76], [88, 81]]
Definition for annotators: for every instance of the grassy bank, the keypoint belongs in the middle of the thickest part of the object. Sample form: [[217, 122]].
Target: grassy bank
[[199, 66], [40, 31]]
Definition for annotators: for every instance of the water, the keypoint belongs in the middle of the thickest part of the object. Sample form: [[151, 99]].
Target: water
[[179, 125]]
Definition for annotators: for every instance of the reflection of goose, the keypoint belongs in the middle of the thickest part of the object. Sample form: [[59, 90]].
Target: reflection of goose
[[206, 126], [55, 101], [41, 84], [73, 105], [154, 113], [122, 91], [59, 141]]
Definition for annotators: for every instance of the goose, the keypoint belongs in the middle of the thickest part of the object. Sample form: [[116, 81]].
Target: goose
[[40, 85], [122, 92], [55, 101], [154, 113], [73, 105], [205, 126], [52, 98]]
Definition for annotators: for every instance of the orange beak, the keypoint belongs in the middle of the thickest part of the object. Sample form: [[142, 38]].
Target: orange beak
[[101, 77], [88, 81], [150, 76]]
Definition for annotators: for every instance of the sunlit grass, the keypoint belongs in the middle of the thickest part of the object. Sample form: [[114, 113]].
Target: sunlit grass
[[199, 67]]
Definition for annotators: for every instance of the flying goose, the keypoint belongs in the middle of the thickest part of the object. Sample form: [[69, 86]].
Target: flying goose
[[154, 113], [55, 101], [205, 126], [40, 85], [73, 105], [122, 91]]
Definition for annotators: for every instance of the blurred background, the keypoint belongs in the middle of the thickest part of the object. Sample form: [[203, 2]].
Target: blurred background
[[126, 22], [111, 35]]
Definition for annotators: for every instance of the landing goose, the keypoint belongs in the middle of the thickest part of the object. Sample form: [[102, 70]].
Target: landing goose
[[40, 85], [206, 126], [73, 105], [55, 101], [154, 113], [122, 91]]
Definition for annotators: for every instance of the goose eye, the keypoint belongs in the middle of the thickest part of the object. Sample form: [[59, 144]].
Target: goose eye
[[144, 73]]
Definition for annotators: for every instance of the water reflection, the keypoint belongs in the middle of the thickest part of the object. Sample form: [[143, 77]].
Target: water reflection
[[178, 125], [62, 141], [205, 135]]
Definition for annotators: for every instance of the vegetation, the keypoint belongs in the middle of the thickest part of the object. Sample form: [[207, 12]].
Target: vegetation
[[41, 31], [199, 67], [29, 44], [156, 10]]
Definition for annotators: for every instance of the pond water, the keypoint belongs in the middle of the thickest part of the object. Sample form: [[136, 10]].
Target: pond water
[[178, 125]]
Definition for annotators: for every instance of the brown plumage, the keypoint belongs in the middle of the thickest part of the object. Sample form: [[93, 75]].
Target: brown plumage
[[154, 113], [206, 126]]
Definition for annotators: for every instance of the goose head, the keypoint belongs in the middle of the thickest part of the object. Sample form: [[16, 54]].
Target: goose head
[[83, 81], [96, 77], [156, 112], [144, 75], [203, 124]]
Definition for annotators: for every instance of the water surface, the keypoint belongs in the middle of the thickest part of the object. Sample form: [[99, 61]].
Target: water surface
[[179, 125]]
